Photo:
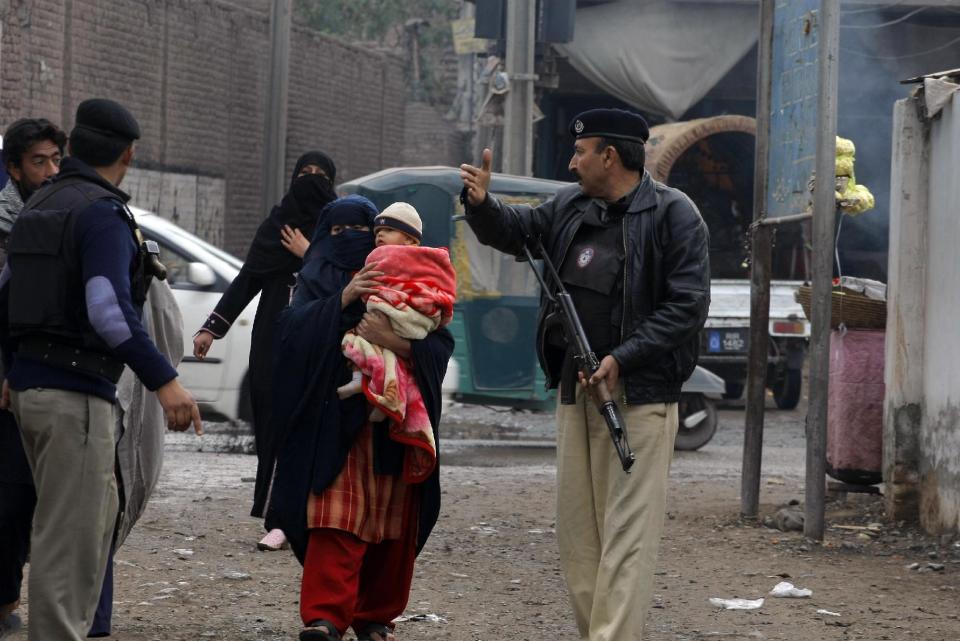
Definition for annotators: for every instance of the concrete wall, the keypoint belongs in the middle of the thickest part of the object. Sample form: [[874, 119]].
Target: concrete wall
[[940, 439], [193, 202], [907, 274], [194, 72], [922, 414]]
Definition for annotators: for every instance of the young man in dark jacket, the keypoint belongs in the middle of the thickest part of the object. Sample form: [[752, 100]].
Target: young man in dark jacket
[[32, 153], [633, 254], [70, 297], [33, 148]]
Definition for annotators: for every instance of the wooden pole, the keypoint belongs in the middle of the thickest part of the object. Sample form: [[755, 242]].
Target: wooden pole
[[824, 220], [761, 257], [275, 138], [518, 109]]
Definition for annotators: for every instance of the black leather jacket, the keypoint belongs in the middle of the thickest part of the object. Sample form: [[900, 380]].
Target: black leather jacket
[[666, 279]]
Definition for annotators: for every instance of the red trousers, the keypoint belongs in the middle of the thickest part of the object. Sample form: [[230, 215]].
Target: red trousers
[[349, 582]]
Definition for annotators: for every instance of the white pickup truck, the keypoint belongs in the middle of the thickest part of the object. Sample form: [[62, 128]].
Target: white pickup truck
[[726, 338]]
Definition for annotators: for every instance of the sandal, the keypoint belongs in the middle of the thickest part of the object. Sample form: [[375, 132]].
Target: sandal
[[385, 632], [319, 630]]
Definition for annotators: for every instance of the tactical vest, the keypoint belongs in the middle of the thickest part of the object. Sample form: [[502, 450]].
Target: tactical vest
[[47, 293]]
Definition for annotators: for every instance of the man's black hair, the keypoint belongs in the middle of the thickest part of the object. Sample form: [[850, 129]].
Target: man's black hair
[[631, 152], [27, 131], [95, 149]]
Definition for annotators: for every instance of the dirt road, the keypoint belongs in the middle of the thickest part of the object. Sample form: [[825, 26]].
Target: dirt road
[[190, 569]]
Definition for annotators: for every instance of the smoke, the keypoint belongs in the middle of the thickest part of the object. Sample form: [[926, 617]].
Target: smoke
[[878, 48]]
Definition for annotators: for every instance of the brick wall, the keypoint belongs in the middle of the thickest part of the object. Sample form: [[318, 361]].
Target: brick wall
[[194, 72], [431, 139]]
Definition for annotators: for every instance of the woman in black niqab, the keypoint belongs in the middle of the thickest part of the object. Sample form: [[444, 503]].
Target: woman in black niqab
[[311, 189], [270, 270]]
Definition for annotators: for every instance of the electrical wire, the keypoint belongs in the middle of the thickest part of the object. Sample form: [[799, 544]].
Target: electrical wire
[[836, 246], [836, 254], [885, 24], [862, 54], [874, 9]]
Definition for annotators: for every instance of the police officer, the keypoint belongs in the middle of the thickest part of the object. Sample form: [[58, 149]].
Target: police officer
[[633, 255], [70, 299]]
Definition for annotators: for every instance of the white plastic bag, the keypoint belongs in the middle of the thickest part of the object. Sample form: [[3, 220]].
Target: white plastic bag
[[736, 604], [785, 589]]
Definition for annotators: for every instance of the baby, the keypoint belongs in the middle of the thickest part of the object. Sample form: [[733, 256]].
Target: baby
[[417, 293]]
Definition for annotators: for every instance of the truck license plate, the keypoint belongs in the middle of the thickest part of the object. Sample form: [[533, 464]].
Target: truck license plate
[[726, 340]]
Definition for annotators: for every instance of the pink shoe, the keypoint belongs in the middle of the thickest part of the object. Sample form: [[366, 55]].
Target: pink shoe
[[273, 541]]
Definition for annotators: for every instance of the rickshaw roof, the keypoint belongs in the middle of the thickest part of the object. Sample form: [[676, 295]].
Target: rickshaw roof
[[448, 179]]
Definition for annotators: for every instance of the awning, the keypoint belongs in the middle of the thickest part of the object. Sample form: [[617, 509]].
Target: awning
[[660, 56]]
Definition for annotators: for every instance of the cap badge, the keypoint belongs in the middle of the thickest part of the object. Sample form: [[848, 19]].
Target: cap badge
[[585, 257], [578, 126]]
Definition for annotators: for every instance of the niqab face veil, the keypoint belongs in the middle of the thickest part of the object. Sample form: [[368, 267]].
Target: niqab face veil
[[318, 158], [351, 246], [300, 208], [331, 260]]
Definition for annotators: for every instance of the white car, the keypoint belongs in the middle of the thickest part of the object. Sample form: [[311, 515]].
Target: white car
[[199, 274]]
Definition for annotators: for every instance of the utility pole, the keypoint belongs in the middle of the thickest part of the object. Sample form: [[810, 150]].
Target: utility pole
[[761, 258], [518, 110], [275, 134], [824, 221]]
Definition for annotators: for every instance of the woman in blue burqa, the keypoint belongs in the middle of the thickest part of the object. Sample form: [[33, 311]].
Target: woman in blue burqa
[[338, 493]]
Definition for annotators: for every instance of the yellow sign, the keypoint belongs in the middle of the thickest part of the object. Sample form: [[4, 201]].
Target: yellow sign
[[463, 41]]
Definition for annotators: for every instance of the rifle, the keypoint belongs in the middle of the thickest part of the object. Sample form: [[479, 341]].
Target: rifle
[[584, 356]]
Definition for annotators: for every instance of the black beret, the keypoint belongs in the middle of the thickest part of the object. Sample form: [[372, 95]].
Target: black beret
[[107, 118], [610, 123]]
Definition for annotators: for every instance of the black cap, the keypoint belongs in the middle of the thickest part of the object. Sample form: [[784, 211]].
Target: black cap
[[107, 118], [610, 123]]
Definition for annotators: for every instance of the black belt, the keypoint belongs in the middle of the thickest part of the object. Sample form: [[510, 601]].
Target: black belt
[[71, 358]]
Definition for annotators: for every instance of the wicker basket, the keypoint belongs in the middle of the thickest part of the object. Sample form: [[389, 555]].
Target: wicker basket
[[850, 308]]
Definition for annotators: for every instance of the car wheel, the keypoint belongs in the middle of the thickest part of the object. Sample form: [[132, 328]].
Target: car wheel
[[786, 391], [245, 406], [698, 422]]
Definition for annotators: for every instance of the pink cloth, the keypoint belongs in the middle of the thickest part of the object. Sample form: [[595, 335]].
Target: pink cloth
[[855, 401], [417, 295]]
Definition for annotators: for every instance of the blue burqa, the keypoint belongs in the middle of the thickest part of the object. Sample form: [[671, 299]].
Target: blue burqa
[[319, 428]]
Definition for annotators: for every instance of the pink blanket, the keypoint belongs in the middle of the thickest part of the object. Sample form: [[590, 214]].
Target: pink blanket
[[417, 295]]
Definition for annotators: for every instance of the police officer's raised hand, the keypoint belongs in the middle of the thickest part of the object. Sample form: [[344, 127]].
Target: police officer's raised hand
[[179, 408], [477, 179], [363, 282], [201, 344]]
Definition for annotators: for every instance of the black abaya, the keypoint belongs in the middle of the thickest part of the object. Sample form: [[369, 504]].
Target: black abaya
[[270, 271], [274, 293]]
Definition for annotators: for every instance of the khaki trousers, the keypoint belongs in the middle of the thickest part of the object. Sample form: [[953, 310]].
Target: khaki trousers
[[609, 523], [69, 440]]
